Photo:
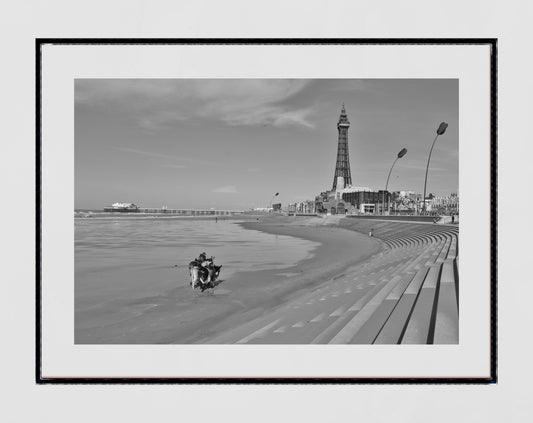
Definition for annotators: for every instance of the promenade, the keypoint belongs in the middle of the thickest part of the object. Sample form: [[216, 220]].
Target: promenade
[[408, 293]]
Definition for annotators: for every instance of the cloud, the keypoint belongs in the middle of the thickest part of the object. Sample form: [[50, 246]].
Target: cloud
[[227, 189], [161, 119], [278, 116], [166, 157], [101, 91], [256, 102], [175, 166], [157, 103], [144, 153]]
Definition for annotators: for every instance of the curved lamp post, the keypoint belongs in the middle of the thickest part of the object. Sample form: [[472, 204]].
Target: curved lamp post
[[272, 199], [402, 153], [441, 129]]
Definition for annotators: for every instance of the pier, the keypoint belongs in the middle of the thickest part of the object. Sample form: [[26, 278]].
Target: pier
[[179, 212], [191, 212]]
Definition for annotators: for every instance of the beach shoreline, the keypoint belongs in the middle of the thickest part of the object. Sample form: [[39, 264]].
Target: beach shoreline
[[336, 253], [141, 216], [184, 316]]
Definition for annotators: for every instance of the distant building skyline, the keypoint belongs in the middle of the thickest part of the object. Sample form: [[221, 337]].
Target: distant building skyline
[[232, 144]]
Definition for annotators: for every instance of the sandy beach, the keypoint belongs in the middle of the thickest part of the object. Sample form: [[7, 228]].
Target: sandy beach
[[184, 316]]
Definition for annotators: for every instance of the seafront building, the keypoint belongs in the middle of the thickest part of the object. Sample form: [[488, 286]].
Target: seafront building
[[345, 198], [302, 207], [445, 205], [408, 202]]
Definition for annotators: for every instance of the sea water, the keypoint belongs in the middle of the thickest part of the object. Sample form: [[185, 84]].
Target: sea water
[[122, 257]]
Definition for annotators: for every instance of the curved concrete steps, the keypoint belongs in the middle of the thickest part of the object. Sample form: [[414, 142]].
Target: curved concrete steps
[[416, 309], [406, 294]]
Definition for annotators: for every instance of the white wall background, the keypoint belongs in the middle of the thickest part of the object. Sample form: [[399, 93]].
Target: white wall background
[[23, 21]]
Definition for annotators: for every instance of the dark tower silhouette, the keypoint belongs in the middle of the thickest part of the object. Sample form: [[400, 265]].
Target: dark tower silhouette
[[342, 168]]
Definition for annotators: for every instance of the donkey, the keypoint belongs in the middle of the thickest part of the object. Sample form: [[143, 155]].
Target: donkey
[[199, 274]]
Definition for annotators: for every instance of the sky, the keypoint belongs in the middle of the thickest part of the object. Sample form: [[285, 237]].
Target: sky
[[231, 144]]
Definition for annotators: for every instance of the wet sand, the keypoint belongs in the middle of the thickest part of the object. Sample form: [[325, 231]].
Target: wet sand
[[184, 316]]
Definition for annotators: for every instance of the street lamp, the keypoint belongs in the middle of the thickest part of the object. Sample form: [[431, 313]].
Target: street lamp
[[441, 129], [272, 199], [402, 153]]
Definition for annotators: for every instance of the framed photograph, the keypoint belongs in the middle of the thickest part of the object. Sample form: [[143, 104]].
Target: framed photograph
[[266, 211]]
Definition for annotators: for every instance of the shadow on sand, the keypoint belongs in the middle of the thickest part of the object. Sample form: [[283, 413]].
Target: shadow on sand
[[210, 288]]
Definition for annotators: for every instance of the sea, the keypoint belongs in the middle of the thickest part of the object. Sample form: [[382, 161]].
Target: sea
[[124, 257]]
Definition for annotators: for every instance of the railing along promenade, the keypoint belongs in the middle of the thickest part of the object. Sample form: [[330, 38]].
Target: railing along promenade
[[188, 212]]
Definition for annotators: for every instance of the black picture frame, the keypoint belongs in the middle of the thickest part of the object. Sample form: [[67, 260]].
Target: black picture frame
[[491, 42]]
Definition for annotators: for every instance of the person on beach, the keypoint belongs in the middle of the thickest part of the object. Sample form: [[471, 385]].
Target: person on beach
[[207, 265]]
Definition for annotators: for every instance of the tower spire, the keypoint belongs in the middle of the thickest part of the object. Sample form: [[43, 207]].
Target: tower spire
[[342, 167]]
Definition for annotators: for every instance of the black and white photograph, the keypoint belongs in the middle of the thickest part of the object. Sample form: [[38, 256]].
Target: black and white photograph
[[256, 212], [266, 211]]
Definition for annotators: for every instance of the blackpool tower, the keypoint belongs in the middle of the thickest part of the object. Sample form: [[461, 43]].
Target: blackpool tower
[[342, 168]]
